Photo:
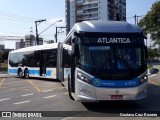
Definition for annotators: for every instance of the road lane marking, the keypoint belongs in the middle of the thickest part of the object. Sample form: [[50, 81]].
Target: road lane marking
[[154, 83], [22, 102], [2, 82], [50, 87], [49, 96], [35, 86], [57, 88], [65, 93], [27, 94], [68, 118], [48, 90], [4, 99]]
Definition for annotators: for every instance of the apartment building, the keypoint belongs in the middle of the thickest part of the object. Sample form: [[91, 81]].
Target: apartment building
[[20, 44], [30, 40], [80, 10]]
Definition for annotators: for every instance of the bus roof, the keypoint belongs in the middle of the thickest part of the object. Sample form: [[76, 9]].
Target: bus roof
[[103, 26], [107, 26], [38, 47]]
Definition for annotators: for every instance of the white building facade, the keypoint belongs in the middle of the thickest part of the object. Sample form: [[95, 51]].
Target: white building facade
[[81, 10]]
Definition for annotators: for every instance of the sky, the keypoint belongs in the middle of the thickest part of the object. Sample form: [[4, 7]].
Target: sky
[[17, 17]]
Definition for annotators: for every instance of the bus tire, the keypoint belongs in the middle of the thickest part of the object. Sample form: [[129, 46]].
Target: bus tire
[[26, 74], [20, 74], [69, 89]]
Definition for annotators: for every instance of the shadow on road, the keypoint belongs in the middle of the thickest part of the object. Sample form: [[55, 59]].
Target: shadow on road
[[156, 71], [150, 103], [39, 79], [45, 79]]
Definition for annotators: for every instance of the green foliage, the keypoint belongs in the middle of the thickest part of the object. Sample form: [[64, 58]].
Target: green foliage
[[149, 66], [3, 56], [151, 23], [153, 53]]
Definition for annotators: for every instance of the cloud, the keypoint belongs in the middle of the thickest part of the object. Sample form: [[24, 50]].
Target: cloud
[[53, 20], [1, 33]]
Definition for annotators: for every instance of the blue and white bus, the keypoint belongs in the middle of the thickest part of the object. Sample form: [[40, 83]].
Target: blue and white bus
[[35, 61], [103, 60]]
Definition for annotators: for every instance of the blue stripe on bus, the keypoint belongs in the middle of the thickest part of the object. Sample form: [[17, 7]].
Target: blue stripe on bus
[[116, 83], [48, 73], [34, 72], [15, 71], [31, 72], [37, 72]]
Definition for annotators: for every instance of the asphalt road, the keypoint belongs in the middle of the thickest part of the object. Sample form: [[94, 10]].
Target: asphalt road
[[48, 95]]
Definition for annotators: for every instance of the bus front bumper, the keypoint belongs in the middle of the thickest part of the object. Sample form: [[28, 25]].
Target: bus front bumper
[[86, 92]]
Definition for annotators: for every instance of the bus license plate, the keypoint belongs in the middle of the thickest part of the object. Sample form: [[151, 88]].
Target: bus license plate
[[116, 97]]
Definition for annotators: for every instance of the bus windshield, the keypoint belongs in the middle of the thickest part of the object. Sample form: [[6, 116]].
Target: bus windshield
[[111, 61]]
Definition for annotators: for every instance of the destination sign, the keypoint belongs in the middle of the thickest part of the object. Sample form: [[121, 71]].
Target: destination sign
[[112, 40]]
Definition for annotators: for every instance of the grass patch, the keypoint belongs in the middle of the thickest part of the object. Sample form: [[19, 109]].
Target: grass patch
[[149, 66]]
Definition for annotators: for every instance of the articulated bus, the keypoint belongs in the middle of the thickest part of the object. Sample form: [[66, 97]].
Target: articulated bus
[[35, 61], [103, 60]]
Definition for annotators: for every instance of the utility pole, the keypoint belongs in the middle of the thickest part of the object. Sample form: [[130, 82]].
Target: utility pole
[[135, 18], [36, 24], [57, 32]]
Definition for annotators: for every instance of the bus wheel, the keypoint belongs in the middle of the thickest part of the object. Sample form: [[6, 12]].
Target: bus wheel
[[26, 74], [69, 88], [20, 73]]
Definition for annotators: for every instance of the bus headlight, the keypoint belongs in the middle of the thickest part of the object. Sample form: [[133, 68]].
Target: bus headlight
[[144, 79], [84, 78]]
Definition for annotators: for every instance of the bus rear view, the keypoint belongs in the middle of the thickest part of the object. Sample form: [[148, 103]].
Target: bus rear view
[[110, 62]]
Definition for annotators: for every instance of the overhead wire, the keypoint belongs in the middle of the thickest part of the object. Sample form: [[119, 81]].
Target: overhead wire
[[21, 20], [14, 17], [137, 16]]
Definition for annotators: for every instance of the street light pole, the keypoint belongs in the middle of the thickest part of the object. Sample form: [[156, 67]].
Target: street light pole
[[36, 34], [38, 21], [57, 32], [50, 26]]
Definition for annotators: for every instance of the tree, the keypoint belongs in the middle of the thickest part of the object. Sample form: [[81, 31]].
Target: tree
[[5, 55], [153, 53], [1, 58], [151, 23]]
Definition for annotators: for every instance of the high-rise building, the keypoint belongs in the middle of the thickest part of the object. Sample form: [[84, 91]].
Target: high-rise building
[[2, 47], [30, 40], [80, 10], [20, 44]]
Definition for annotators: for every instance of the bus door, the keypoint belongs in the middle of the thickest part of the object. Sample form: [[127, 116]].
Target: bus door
[[60, 71], [43, 58]]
